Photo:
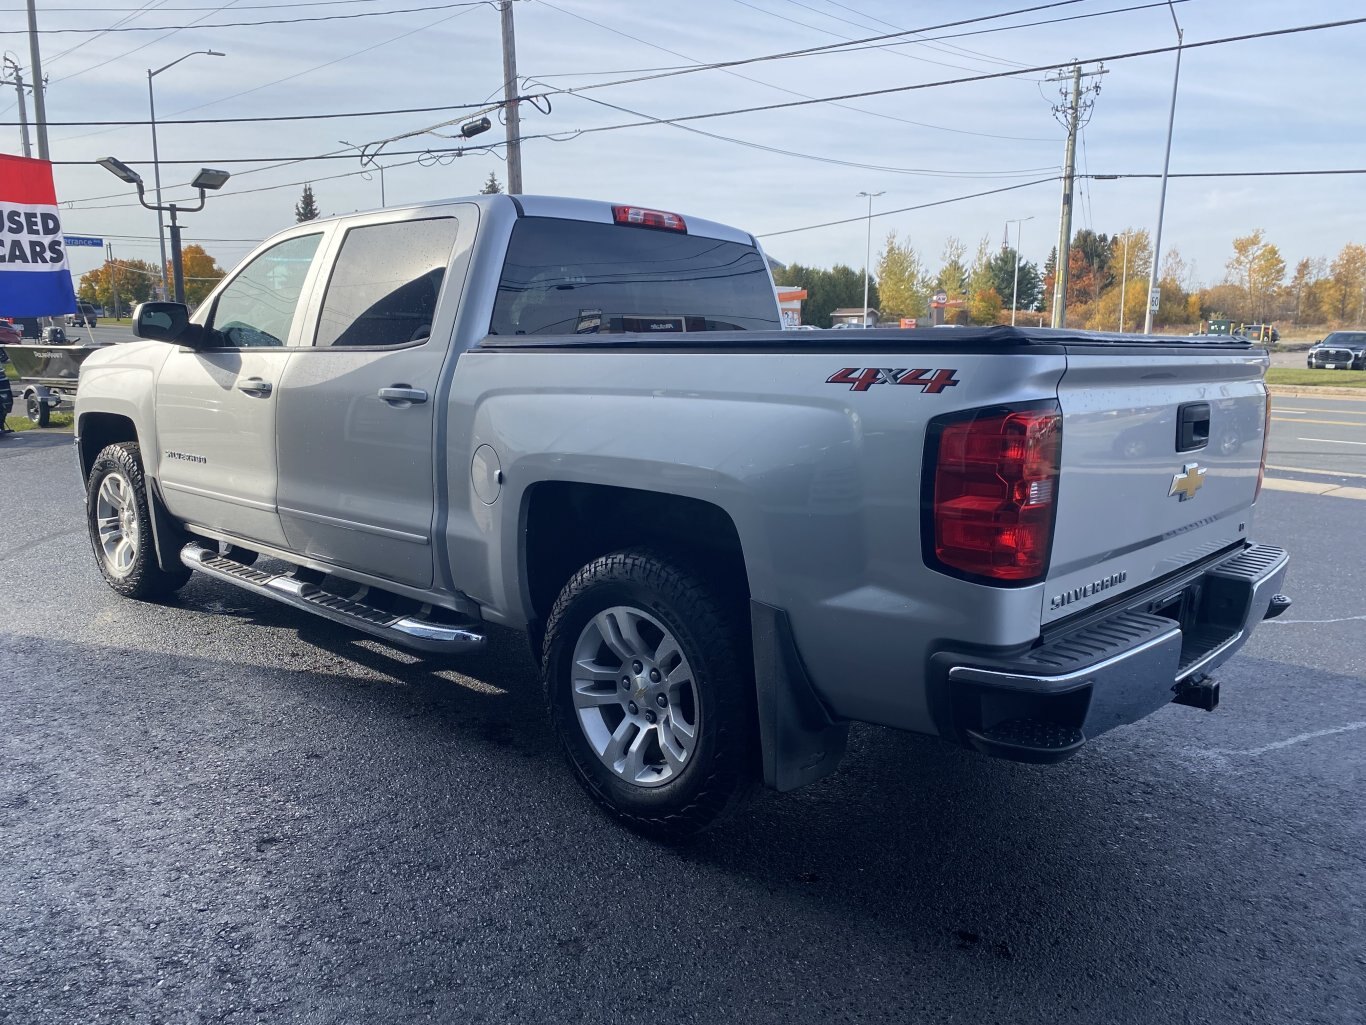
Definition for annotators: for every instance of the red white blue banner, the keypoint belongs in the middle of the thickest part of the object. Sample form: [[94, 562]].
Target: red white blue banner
[[35, 278]]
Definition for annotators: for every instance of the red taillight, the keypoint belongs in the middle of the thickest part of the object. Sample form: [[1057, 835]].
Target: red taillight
[[995, 494], [1266, 439], [642, 218]]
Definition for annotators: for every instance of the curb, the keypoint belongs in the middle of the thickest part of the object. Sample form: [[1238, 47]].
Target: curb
[[1311, 390]]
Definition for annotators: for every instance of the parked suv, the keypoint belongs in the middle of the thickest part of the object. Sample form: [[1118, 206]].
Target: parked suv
[[1341, 350]]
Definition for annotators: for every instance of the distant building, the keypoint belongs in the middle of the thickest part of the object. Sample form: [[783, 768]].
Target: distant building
[[855, 315], [790, 304]]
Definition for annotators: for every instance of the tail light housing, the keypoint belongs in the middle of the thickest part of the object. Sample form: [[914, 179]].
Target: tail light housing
[[1266, 440], [991, 493]]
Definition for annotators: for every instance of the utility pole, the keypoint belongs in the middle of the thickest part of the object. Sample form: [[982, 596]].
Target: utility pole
[[36, 66], [1073, 113], [13, 68], [510, 115], [1166, 166], [113, 269]]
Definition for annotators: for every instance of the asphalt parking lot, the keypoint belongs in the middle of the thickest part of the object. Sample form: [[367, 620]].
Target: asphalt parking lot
[[220, 810]]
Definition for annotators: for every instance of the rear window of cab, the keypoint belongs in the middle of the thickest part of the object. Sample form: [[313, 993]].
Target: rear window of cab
[[566, 277]]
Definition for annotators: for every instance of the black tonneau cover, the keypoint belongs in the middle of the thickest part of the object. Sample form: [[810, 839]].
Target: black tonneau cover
[[877, 339]]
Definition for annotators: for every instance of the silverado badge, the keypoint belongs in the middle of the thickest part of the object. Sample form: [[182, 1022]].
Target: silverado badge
[[1187, 482]]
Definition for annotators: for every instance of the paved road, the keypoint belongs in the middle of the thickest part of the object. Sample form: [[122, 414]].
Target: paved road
[[220, 810], [1319, 433]]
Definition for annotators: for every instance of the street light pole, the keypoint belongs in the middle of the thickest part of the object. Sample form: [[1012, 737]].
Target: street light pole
[[207, 178], [1166, 164], [1124, 283], [1015, 288], [868, 253], [156, 160]]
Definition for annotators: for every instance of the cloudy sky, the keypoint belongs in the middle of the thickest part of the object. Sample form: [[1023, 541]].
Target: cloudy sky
[[1292, 102]]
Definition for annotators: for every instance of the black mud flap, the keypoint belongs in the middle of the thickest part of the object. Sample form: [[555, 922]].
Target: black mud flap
[[800, 740]]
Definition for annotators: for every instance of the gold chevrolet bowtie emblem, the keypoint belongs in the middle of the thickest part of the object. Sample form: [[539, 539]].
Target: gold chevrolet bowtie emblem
[[1187, 482]]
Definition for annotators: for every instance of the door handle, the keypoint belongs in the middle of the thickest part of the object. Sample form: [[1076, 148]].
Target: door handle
[[254, 386], [402, 395]]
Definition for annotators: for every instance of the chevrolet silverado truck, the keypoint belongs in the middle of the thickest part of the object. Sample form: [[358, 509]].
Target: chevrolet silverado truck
[[726, 542]]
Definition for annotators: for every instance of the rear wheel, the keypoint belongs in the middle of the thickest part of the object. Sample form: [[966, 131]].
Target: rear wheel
[[120, 526], [649, 688], [38, 411]]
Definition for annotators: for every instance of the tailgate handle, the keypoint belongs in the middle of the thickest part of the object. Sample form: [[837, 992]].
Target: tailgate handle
[[1192, 427]]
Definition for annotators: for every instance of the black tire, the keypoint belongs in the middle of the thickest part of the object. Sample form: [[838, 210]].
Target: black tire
[[713, 636], [135, 574], [39, 412]]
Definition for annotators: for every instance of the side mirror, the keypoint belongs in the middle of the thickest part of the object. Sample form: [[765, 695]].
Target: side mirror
[[161, 322]]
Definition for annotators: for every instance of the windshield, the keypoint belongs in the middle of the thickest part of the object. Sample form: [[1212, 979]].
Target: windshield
[[1345, 338]]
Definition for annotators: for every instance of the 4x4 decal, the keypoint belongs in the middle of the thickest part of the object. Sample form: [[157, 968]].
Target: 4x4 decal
[[930, 382]]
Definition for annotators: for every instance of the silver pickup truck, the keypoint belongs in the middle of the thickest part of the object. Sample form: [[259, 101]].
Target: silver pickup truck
[[726, 542]]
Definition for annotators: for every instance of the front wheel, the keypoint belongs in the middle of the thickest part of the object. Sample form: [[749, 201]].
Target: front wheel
[[120, 524], [648, 682]]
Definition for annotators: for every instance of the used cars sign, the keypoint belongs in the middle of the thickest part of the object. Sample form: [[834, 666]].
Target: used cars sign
[[35, 278]]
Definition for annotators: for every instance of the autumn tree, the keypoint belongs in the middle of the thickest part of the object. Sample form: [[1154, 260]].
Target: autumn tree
[[132, 281], [902, 281], [953, 274], [201, 272], [306, 209], [1258, 267], [1347, 294], [492, 186], [984, 306]]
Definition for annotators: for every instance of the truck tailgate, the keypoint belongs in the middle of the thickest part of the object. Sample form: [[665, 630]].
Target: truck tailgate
[[1160, 458]]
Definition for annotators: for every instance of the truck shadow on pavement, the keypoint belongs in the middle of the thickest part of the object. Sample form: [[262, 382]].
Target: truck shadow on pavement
[[387, 796], [930, 841]]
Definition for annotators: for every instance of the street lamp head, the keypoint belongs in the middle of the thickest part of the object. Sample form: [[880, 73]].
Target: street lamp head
[[120, 170], [210, 178], [871, 195], [214, 53]]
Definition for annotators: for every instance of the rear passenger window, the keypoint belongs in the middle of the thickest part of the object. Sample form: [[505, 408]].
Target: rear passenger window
[[579, 277], [386, 282]]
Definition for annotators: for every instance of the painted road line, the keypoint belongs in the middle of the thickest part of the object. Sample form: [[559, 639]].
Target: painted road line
[[1330, 423], [1336, 412], [1305, 487], [1332, 441], [1321, 473]]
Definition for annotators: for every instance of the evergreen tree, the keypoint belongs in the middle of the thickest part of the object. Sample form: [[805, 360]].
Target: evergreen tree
[[306, 209], [492, 186]]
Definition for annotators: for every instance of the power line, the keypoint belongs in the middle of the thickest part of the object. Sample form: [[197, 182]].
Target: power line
[[839, 35], [875, 42], [240, 7], [782, 89], [990, 76], [129, 53], [882, 21], [298, 74], [919, 171], [246, 24], [907, 209], [266, 117]]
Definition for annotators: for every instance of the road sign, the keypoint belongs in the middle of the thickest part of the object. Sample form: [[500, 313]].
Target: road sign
[[1154, 299], [83, 240]]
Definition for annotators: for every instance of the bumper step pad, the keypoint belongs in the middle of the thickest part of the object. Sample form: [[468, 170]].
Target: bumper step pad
[[404, 631], [1028, 740]]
